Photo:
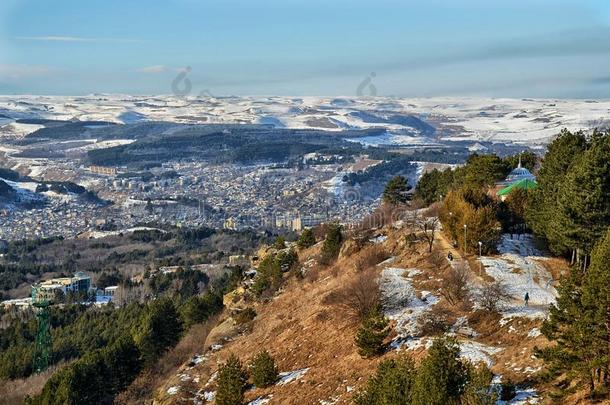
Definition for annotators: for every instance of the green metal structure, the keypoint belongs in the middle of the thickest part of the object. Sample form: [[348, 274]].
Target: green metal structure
[[43, 345]]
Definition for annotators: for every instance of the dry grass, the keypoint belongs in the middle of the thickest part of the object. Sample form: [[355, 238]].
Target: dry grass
[[14, 391]]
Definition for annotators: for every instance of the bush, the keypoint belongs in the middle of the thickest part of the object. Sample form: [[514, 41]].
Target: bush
[[371, 256], [455, 288], [244, 316], [263, 370], [434, 322], [232, 379], [359, 296], [372, 333], [492, 296]]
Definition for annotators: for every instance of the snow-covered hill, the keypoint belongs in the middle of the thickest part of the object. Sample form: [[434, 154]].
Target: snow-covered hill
[[408, 121]]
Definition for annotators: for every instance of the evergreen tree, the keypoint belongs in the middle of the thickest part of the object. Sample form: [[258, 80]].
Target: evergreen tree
[[232, 379], [268, 276], [332, 243], [391, 384], [584, 197], [307, 239], [434, 184], [280, 243], [395, 192], [481, 171], [442, 377], [528, 160], [544, 216], [579, 321], [160, 330], [263, 370], [372, 333]]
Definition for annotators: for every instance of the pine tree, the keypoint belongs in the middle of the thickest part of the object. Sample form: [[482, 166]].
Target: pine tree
[[280, 243], [307, 239], [578, 322], [442, 377], [396, 191], [263, 370], [160, 329], [372, 333], [232, 379], [332, 243], [543, 215], [391, 384], [584, 198]]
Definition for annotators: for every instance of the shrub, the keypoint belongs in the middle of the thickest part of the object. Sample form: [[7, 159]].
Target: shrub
[[244, 316], [359, 296], [371, 256], [372, 333], [492, 296], [434, 322], [455, 289], [232, 379], [263, 370]]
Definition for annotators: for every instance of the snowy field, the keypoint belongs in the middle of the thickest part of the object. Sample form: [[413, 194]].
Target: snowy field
[[408, 121]]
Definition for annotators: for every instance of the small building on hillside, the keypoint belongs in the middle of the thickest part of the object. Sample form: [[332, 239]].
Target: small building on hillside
[[519, 178], [47, 290]]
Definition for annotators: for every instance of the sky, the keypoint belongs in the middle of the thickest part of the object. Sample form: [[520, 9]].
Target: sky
[[408, 48]]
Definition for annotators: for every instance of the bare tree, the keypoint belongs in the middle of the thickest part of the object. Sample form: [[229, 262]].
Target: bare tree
[[492, 296], [428, 227], [359, 296], [455, 288]]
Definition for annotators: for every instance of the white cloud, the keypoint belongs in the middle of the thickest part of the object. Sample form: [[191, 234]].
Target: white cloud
[[15, 72], [153, 69]]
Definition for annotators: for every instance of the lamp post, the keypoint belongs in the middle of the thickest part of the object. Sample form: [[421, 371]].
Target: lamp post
[[465, 234], [480, 261]]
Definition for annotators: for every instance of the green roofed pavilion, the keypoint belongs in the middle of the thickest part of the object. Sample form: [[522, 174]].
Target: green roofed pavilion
[[524, 184]]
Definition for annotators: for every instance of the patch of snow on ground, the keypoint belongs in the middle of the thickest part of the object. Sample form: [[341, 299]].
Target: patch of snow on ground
[[261, 400], [526, 396], [209, 396], [378, 239], [477, 352], [290, 376], [534, 333], [173, 390], [518, 269], [403, 306]]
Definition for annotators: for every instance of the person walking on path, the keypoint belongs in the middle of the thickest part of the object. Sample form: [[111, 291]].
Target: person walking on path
[[527, 298]]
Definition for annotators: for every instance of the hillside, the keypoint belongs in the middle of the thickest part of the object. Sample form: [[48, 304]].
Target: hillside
[[308, 329]]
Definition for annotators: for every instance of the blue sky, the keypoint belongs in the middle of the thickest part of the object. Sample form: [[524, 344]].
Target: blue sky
[[503, 48]]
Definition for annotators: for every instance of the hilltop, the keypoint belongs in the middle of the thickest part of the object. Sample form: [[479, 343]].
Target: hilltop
[[309, 329]]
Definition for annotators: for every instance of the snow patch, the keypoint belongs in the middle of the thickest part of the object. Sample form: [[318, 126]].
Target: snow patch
[[290, 376]]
